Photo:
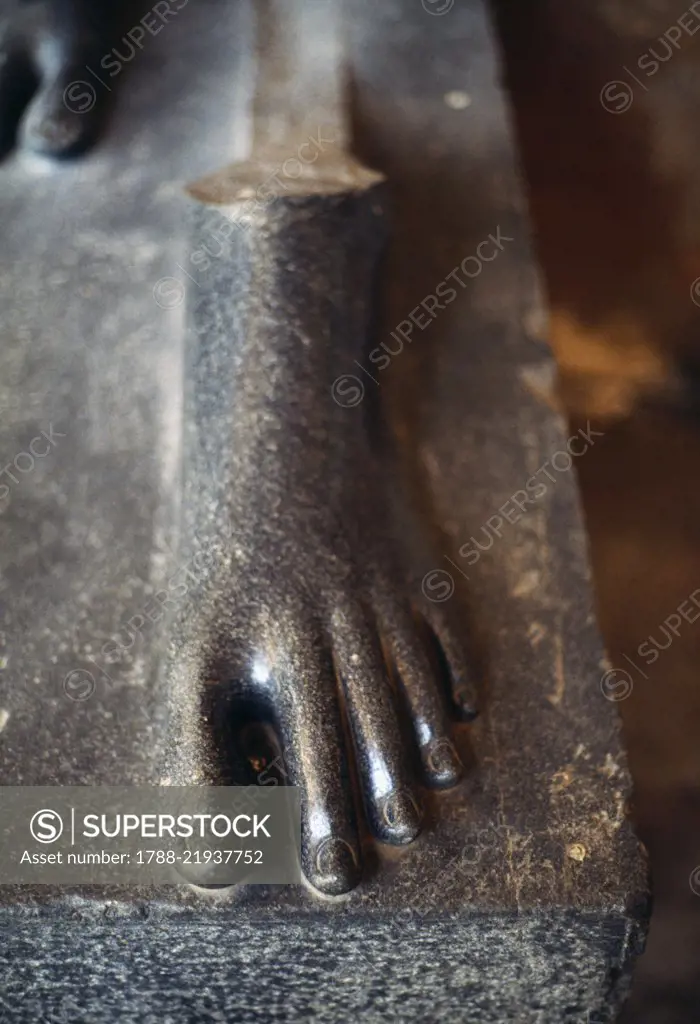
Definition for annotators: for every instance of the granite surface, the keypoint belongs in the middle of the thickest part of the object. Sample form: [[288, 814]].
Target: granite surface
[[525, 899]]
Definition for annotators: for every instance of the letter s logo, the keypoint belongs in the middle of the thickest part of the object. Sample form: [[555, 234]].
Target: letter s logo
[[46, 826]]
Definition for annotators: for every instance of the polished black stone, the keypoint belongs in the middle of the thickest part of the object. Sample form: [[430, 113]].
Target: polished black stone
[[524, 896]]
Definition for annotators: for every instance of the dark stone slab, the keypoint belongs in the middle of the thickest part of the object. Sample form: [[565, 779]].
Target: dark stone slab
[[525, 898]]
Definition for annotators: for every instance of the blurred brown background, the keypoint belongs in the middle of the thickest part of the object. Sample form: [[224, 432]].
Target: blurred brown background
[[613, 172]]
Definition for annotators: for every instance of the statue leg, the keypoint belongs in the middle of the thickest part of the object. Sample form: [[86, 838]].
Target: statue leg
[[307, 609]]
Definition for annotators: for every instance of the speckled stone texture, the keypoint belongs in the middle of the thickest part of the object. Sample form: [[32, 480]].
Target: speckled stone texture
[[525, 897], [270, 966]]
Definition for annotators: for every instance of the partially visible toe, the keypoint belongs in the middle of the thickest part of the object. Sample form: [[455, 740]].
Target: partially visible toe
[[422, 693], [65, 118], [335, 867], [383, 765]]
